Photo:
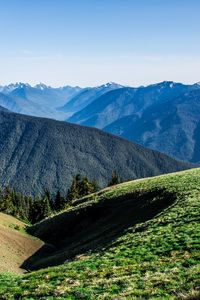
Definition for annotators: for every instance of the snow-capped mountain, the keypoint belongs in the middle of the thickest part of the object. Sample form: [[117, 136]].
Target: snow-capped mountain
[[7, 89], [45, 101], [39, 100]]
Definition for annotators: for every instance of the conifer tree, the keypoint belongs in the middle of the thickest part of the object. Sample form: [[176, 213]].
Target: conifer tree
[[115, 179], [95, 186], [59, 201], [73, 192], [80, 187]]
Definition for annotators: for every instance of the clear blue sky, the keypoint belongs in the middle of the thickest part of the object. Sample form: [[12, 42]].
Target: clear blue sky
[[88, 42]]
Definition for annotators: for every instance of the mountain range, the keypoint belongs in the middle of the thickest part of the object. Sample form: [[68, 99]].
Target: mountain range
[[126, 101], [172, 127], [45, 101], [162, 116], [40, 100], [39, 153], [87, 96]]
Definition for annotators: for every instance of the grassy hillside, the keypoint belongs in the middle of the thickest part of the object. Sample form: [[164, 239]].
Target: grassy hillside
[[15, 245], [150, 250]]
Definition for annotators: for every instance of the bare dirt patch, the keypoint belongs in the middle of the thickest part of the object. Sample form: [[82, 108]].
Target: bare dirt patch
[[15, 245]]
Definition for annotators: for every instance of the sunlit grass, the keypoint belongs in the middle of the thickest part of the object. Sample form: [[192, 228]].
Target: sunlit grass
[[157, 259]]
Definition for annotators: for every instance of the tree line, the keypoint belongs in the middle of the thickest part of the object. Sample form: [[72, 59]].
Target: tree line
[[34, 209]]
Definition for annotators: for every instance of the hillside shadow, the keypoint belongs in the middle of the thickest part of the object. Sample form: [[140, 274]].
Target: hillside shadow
[[92, 227]]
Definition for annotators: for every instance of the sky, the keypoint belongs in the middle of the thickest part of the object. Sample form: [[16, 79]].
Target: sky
[[91, 42]]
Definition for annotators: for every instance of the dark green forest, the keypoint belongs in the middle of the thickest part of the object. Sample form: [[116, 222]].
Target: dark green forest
[[33, 209]]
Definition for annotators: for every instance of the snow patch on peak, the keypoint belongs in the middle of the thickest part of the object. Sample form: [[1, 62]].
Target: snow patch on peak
[[12, 86], [41, 86], [109, 84]]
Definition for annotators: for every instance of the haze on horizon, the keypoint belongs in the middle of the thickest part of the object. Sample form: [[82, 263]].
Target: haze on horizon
[[91, 42]]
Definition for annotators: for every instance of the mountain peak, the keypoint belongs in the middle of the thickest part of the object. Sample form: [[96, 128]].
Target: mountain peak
[[12, 86], [110, 84], [19, 85], [166, 83], [41, 86]]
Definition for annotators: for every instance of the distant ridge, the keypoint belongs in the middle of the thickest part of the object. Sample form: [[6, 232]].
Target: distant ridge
[[3, 109], [87, 96], [162, 116], [127, 101], [37, 153], [172, 127], [39, 100]]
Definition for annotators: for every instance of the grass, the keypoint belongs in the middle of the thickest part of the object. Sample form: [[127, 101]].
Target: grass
[[154, 259], [11, 222]]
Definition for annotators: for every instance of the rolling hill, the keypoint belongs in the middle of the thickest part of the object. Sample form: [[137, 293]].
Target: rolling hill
[[136, 240], [37, 153]]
